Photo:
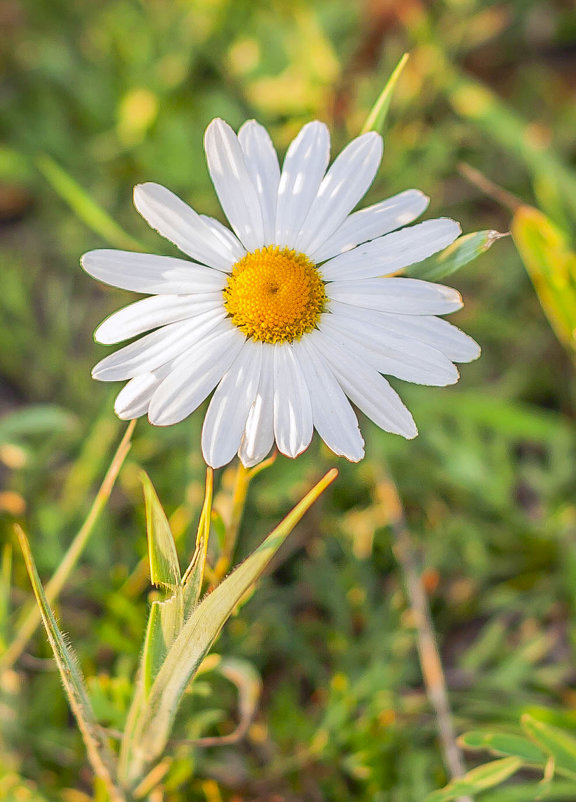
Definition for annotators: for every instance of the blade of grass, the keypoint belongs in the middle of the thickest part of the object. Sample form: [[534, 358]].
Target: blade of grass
[[377, 116], [84, 206], [30, 618], [99, 753]]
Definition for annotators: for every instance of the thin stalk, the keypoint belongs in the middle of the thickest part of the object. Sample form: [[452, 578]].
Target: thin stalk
[[239, 494], [31, 617], [428, 652]]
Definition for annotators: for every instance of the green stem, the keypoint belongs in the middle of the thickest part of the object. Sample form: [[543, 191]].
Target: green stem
[[31, 616]]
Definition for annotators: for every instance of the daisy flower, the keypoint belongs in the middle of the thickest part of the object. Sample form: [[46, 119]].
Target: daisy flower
[[289, 316]]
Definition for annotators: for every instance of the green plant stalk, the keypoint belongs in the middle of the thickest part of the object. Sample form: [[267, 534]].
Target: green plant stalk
[[84, 206], [148, 728], [31, 616], [241, 484]]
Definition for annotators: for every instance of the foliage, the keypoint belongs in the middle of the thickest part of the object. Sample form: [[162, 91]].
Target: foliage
[[103, 95]]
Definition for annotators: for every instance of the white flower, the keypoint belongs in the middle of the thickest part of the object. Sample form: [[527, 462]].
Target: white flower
[[290, 314]]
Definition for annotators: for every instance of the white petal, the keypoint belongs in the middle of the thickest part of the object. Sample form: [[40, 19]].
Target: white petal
[[195, 375], [149, 313], [403, 296], [262, 164], [366, 388], [406, 359], [334, 418], [293, 426], [392, 252], [133, 399], [157, 348], [415, 329], [372, 222], [148, 273], [226, 417], [258, 436], [304, 167], [233, 183], [227, 240], [179, 223], [345, 183]]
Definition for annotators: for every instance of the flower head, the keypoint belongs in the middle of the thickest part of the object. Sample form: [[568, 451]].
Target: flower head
[[290, 315]]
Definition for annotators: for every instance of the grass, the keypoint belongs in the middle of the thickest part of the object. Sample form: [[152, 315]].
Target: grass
[[102, 96]]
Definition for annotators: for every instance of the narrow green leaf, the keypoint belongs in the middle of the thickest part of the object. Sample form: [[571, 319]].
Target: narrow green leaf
[[551, 264], [555, 742], [377, 117], [147, 731], [101, 757], [84, 206], [503, 744], [164, 565], [5, 591], [194, 575], [455, 256], [478, 779], [164, 625]]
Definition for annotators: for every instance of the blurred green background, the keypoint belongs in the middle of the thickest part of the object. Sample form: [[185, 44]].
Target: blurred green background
[[96, 97]]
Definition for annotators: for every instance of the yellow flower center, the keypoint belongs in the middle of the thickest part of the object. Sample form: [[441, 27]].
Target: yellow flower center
[[274, 295]]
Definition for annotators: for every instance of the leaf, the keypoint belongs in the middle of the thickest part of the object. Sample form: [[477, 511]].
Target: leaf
[[148, 729], [164, 564], [551, 265], [84, 206], [557, 743], [377, 116], [166, 616], [478, 779], [194, 575], [101, 757], [503, 744], [455, 256]]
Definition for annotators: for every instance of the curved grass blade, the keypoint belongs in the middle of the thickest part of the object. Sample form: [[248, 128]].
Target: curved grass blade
[[504, 744], [555, 742], [478, 779], [84, 206], [99, 753]]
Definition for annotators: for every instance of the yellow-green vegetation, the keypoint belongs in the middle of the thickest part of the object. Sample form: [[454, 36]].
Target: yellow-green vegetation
[[324, 685]]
